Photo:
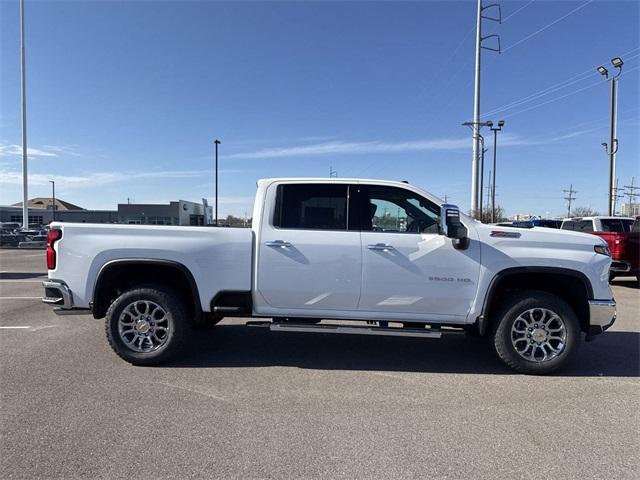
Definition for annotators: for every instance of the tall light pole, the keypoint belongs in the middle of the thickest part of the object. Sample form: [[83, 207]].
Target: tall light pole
[[479, 181], [476, 189], [25, 192], [482, 152], [216, 142], [495, 131], [612, 148], [53, 199]]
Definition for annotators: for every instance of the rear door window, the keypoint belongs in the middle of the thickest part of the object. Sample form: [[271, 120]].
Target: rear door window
[[311, 206]]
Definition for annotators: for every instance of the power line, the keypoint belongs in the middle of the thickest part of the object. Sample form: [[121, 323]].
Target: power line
[[517, 11], [555, 99], [557, 86], [548, 26], [631, 193], [570, 198]]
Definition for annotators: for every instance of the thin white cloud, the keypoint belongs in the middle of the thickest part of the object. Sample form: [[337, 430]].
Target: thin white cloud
[[10, 150], [96, 179], [577, 133], [372, 147], [62, 150]]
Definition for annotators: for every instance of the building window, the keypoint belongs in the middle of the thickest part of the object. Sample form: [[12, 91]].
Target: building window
[[196, 220], [32, 219]]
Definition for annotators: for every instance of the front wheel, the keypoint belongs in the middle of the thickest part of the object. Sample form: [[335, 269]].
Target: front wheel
[[146, 325], [536, 332]]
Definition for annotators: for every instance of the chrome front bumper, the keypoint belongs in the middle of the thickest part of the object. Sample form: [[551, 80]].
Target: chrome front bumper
[[602, 314], [57, 293]]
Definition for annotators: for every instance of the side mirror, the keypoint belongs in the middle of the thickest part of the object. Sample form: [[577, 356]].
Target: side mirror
[[452, 227]]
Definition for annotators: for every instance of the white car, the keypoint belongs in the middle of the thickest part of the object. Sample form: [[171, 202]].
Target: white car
[[384, 252]]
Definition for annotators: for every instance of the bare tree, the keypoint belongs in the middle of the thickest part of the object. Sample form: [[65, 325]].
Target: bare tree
[[584, 212]]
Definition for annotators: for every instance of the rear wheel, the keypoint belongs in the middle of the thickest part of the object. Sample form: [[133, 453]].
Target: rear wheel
[[536, 332], [146, 325]]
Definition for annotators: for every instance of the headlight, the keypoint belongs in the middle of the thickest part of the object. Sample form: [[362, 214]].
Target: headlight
[[602, 250]]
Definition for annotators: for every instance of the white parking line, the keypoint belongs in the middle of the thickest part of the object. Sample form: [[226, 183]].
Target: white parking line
[[20, 298], [31, 329], [7, 280]]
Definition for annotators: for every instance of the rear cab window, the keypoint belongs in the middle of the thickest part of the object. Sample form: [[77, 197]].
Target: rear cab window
[[312, 207], [618, 225]]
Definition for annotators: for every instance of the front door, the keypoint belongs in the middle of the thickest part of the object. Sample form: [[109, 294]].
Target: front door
[[308, 260], [408, 267]]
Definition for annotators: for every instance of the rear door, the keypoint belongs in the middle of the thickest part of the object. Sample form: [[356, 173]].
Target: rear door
[[408, 267], [308, 259]]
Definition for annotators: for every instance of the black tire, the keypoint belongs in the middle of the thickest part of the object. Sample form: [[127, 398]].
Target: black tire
[[175, 320], [516, 305]]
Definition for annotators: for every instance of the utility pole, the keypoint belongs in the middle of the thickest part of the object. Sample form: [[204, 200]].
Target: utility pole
[[216, 142], [570, 197], [332, 173], [23, 80], [612, 148], [495, 131], [616, 196], [476, 189], [53, 199]]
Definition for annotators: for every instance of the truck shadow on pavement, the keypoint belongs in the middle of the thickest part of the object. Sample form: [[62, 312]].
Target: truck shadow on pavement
[[614, 354], [22, 275]]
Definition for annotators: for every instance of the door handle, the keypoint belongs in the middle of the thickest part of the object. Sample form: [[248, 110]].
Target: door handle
[[380, 246], [278, 243]]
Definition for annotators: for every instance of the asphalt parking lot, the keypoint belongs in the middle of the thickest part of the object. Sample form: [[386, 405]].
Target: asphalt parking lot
[[248, 403]]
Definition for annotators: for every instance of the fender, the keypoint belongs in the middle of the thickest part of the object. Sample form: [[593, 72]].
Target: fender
[[150, 261], [482, 319]]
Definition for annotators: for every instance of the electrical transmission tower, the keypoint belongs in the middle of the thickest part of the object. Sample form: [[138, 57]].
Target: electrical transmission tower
[[631, 194], [476, 190], [570, 198]]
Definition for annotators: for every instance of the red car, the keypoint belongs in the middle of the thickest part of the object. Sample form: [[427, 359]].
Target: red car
[[622, 234]]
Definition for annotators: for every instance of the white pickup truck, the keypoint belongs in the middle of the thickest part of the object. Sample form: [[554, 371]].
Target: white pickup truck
[[385, 253]]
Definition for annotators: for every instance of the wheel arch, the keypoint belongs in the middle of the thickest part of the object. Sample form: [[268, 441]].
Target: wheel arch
[[570, 285], [117, 275]]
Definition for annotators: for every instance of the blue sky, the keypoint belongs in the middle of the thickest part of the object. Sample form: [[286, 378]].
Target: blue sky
[[125, 98]]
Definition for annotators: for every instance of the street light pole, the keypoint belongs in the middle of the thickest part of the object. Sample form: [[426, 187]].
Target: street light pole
[[216, 143], [493, 181], [482, 152], [612, 147], [53, 199], [25, 192]]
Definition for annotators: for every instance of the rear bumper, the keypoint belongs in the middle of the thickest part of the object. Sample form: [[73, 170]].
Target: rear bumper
[[602, 314], [57, 293]]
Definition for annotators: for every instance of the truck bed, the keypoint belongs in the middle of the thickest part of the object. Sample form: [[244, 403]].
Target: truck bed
[[85, 248]]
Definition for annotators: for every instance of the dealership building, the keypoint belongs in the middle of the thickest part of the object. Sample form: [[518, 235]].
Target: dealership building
[[42, 211]]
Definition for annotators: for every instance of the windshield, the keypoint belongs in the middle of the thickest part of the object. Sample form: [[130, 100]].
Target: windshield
[[616, 225]]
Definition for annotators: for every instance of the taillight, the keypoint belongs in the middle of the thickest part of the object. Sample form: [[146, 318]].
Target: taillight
[[52, 237]]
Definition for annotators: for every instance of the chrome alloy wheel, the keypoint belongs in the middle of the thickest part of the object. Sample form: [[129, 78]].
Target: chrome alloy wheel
[[539, 335], [143, 326]]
